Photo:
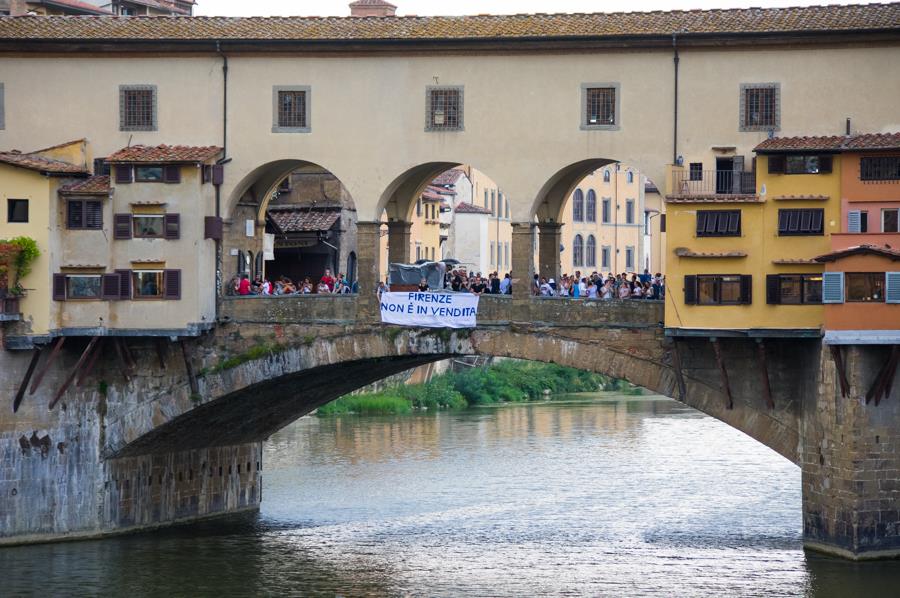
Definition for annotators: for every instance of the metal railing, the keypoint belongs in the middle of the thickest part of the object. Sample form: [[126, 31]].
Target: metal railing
[[714, 182]]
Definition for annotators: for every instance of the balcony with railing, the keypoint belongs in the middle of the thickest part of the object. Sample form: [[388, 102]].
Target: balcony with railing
[[713, 184]]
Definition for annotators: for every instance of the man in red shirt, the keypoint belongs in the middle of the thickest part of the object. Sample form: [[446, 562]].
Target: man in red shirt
[[329, 280], [244, 286]]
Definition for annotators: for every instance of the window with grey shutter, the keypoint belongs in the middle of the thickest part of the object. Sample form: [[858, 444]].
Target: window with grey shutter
[[833, 287], [892, 287], [853, 221]]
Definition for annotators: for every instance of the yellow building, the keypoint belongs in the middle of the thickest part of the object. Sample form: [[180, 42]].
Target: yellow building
[[603, 226], [425, 232], [740, 254]]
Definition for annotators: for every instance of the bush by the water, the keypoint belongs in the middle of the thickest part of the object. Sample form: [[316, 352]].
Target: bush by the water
[[507, 381]]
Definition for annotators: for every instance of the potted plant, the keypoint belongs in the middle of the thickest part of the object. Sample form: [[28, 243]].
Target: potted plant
[[16, 255]]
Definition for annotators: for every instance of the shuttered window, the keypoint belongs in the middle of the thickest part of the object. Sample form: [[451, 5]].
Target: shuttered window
[[793, 289], [122, 226], [172, 173], [84, 214], [719, 223], [172, 283], [854, 221], [111, 287], [124, 174], [833, 287], [864, 287], [173, 226], [798, 222], [892, 287], [718, 289]]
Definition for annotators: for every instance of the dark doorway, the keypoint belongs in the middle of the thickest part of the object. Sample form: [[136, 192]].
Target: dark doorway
[[724, 175]]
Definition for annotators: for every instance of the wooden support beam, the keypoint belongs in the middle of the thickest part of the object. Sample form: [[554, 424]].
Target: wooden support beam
[[889, 383], [161, 351], [885, 377], [90, 364], [679, 372], [717, 347], [84, 355], [839, 366], [24, 385], [128, 355], [192, 379], [764, 373], [53, 355], [121, 353]]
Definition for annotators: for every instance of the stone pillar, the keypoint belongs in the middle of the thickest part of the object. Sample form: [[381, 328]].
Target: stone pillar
[[368, 258], [850, 456], [522, 258], [548, 249], [399, 237]]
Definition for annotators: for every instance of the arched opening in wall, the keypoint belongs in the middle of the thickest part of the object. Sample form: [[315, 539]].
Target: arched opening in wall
[[299, 221], [612, 222], [455, 214]]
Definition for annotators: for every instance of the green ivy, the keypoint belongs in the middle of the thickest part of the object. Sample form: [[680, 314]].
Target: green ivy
[[28, 253]]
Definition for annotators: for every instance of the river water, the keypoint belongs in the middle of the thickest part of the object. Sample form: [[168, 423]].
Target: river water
[[603, 495]]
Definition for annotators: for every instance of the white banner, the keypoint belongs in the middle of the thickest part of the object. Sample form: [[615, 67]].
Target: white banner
[[431, 310]]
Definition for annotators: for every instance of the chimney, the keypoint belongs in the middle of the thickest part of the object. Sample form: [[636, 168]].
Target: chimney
[[372, 8], [17, 8]]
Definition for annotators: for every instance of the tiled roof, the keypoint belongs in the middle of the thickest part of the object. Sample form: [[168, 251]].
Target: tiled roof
[[433, 194], [40, 164], [162, 5], [449, 177], [76, 5], [372, 3], [858, 17], [793, 261], [302, 220], [835, 143], [165, 153], [884, 251], [467, 208], [801, 198], [685, 252], [95, 185]]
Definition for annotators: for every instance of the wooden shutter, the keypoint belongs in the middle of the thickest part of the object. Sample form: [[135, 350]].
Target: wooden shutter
[[892, 287], [212, 228], [746, 289], [124, 284], [110, 287], [75, 214], [123, 174], [93, 214], [662, 223], [776, 164], [690, 290], [734, 222], [701, 223], [833, 287], [122, 226], [172, 173], [817, 225], [173, 226], [59, 287], [854, 221], [773, 289], [825, 163], [172, 282]]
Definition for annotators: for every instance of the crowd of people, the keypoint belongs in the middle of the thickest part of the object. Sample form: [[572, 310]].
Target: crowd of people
[[602, 286], [327, 284]]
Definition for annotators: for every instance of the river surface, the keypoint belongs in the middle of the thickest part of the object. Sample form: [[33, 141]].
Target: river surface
[[602, 496]]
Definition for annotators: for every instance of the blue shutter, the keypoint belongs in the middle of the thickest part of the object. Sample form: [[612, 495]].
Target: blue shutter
[[854, 221], [892, 287], [833, 287]]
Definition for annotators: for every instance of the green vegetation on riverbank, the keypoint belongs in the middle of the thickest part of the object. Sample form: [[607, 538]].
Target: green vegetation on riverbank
[[505, 382]]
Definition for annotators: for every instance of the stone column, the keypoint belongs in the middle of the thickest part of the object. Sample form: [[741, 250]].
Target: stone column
[[399, 236], [548, 249], [522, 258], [368, 258], [850, 456]]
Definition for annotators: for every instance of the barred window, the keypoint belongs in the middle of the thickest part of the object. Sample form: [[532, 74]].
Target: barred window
[[290, 112], [578, 251], [578, 206], [760, 106], [600, 106], [879, 168], [719, 223], [444, 109], [799, 222], [137, 108], [591, 206], [591, 252]]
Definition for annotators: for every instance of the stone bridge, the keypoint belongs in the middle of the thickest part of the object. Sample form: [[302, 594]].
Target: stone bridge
[[160, 432]]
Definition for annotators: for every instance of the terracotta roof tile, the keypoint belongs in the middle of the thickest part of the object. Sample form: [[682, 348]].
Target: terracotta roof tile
[[884, 251], [858, 17], [712, 198], [449, 177], [40, 164], [835, 143], [372, 3], [165, 153], [685, 252], [85, 7], [801, 198], [300, 219], [95, 185], [467, 208]]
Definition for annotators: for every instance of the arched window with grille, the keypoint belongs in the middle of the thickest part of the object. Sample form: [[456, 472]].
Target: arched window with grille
[[592, 206], [591, 250], [606, 176], [578, 251], [578, 206], [630, 177]]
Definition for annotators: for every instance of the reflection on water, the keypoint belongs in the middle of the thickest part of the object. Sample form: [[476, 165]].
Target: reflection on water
[[616, 496]]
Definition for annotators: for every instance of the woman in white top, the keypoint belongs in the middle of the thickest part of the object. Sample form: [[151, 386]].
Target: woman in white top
[[637, 292], [608, 289], [591, 290]]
